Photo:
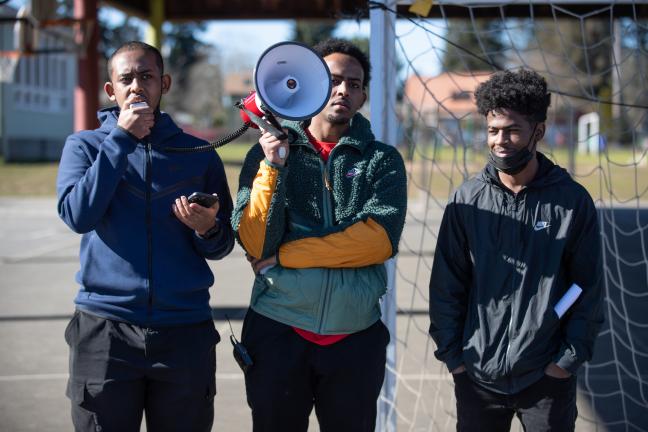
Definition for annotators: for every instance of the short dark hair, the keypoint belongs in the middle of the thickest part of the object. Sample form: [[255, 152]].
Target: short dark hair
[[136, 45], [524, 92], [334, 45]]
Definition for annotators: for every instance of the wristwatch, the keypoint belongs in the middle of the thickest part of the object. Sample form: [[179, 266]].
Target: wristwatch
[[211, 232]]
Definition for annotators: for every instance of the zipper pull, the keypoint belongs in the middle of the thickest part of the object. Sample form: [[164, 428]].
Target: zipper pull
[[327, 184]]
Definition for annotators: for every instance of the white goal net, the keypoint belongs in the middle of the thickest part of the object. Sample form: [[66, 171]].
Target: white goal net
[[594, 56]]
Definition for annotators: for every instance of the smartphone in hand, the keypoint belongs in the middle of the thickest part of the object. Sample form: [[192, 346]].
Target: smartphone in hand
[[203, 199]]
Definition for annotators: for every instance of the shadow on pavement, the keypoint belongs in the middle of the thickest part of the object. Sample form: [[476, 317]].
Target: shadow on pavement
[[616, 380]]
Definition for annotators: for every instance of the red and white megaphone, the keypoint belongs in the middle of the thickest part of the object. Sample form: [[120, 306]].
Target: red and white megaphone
[[292, 82]]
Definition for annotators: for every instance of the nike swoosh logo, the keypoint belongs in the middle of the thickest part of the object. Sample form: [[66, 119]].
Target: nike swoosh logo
[[541, 225]]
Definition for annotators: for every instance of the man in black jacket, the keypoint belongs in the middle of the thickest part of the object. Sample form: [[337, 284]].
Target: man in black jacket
[[513, 242]]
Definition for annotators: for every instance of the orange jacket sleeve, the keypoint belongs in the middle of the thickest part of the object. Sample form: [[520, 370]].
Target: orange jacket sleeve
[[253, 224], [361, 244]]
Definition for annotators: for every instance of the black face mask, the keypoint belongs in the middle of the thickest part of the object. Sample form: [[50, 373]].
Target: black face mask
[[515, 163]]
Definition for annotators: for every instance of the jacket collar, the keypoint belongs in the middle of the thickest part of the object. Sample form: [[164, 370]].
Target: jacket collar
[[163, 129], [358, 135]]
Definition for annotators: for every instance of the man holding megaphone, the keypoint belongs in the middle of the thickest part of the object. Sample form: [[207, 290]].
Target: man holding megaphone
[[318, 214]]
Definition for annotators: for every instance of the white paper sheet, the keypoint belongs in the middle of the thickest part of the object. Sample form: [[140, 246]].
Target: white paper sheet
[[567, 300]]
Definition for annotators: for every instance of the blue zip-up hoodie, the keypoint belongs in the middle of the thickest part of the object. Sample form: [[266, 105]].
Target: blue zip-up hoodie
[[139, 263]]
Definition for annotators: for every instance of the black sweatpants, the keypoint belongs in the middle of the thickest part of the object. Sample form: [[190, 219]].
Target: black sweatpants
[[549, 405], [290, 375], [119, 371]]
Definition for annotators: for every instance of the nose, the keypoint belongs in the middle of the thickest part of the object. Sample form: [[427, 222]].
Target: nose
[[135, 86], [501, 137], [342, 88]]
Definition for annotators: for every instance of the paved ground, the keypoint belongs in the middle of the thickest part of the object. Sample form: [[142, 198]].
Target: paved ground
[[38, 259]]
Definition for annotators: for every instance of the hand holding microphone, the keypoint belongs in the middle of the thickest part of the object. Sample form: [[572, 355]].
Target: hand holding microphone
[[137, 117]]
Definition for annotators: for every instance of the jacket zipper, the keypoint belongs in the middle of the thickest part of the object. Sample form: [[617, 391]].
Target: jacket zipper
[[149, 234], [328, 222], [507, 365], [326, 193]]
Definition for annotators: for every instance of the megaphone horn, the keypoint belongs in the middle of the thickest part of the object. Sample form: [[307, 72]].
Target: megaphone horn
[[292, 82]]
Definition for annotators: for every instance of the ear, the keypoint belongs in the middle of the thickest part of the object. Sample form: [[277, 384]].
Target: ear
[[110, 91], [364, 94], [166, 83], [540, 131]]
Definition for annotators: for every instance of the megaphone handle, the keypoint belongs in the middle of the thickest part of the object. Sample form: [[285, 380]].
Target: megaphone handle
[[270, 118], [266, 124]]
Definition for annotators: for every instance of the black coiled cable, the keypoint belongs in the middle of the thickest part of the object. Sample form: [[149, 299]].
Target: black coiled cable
[[212, 145]]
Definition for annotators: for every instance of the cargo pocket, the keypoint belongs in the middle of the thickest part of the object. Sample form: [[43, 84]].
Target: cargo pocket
[[75, 391], [81, 396], [81, 392], [71, 326]]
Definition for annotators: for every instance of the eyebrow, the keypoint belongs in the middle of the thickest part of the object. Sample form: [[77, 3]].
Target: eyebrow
[[345, 78], [140, 72], [514, 125]]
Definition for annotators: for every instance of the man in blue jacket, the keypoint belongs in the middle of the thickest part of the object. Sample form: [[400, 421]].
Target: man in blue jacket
[[513, 241], [142, 339]]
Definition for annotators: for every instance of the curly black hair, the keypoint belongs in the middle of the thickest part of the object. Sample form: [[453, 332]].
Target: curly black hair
[[132, 46], [334, 45], [524, 92]]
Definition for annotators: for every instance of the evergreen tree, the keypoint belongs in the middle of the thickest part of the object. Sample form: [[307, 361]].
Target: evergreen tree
[[112, 37], [184, 49], [310, 32], [471, 44]]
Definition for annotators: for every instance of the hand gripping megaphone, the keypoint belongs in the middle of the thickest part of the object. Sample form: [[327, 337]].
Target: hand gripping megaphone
[[291, 81]]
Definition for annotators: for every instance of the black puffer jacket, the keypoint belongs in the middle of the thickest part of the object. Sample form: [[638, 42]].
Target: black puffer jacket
[[502, 262]]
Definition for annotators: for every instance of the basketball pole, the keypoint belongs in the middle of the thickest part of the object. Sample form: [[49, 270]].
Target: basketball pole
[[382, 48]]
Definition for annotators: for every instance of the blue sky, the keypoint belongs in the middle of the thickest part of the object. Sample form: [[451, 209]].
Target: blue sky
[[240, 43], [246, 40]]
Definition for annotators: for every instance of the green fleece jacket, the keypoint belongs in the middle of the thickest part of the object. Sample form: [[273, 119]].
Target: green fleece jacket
[[331, 224]]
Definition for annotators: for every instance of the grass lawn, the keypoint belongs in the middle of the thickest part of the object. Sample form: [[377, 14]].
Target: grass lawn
[[39, 179], [234, 153], [28, 179], [616, 176]]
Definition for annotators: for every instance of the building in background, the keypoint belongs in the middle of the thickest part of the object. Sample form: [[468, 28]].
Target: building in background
[[445, 111], [36, 108], [238, 85]]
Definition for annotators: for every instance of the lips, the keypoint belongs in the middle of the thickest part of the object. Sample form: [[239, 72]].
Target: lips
[[504, 152], [342, 103]]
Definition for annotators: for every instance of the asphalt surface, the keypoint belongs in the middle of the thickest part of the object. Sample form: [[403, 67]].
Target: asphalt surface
[[39, 257]]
